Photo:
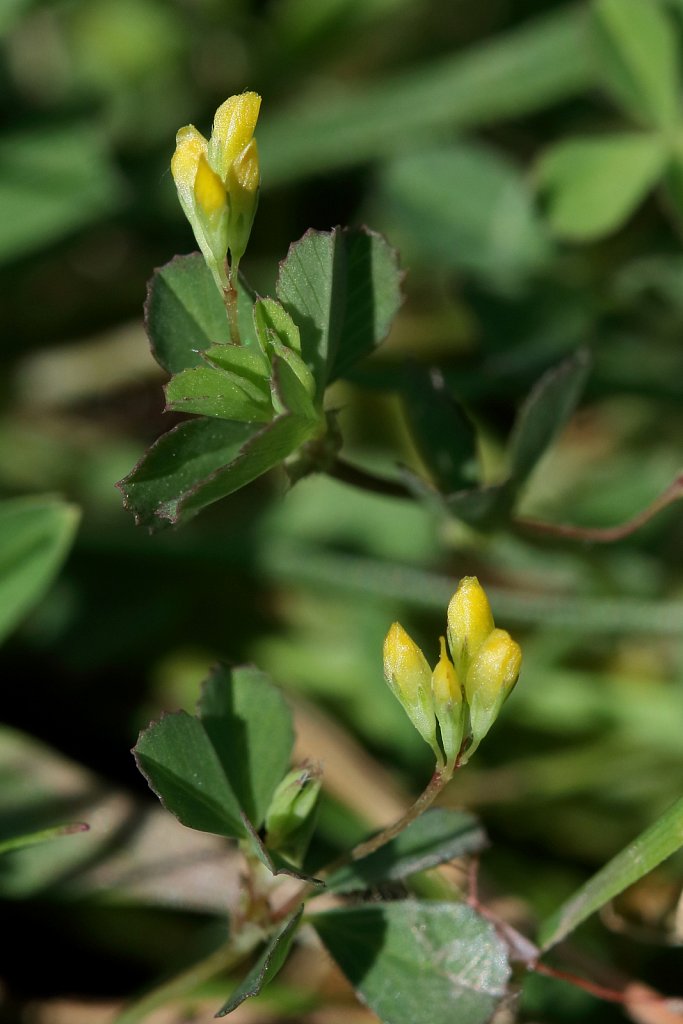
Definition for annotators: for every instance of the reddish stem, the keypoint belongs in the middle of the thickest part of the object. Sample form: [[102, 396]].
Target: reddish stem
[[609, 995]]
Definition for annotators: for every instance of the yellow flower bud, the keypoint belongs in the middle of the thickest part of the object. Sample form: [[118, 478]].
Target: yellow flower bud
[[469, 622], [490, 680], [409, 678], [233, 128], [449, 705], [218, 182], [190, 146], [445, 683]]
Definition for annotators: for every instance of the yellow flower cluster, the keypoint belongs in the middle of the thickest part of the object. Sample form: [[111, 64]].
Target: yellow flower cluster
[[455, 705], [218, 181]]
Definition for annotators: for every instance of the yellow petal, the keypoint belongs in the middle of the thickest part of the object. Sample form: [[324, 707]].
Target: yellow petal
[[245, 169], [233, 128], [208, 188], [445, 683], [190, 146]]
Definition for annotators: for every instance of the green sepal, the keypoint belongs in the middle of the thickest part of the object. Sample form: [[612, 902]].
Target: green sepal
[[291, 817]]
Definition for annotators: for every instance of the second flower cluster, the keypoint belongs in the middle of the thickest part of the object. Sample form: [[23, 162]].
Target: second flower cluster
[[454, 705]]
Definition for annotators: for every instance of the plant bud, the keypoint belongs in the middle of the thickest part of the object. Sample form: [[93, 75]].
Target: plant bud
[[218, 182], [190, 145], [290, 819], [490, 680], [449, 705], [242, 182], [469, 623], [212, 210], [409, 677], [234, 124]]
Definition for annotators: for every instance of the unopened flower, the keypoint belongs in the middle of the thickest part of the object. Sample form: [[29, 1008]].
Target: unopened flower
[[409, 677], [469, 622], [490, 681], [291, 816], [465, 695], [449, 705], [218, 181]]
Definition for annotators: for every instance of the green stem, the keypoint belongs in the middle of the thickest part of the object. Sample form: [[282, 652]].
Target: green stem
[[230, 300], [21, 842], [426, 798], [342, 470]]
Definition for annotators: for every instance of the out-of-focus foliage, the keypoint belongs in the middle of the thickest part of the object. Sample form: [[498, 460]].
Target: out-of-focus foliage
[[524, 158]]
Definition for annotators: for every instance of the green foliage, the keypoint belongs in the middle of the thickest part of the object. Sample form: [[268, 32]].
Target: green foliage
[[637, 53], [544, 413], [535, 65], [440, 428], [467, 208], [53, 180], [342, 289], [339, 291], [658, 842], [479, 142], [270, 961], [202, 461], [595, 184], [36, 838], [437, 837], [35, 537], [413, 961], [444, 437], [184, 314], [212, 769]]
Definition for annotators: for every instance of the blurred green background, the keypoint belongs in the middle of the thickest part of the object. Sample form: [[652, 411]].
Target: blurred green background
[[428, 121]]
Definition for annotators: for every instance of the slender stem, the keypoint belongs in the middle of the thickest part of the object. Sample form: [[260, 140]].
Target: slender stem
[[609, 995], [230, 300], [437, 782], [223, 959], [605, 534], [367, 481], [21, 842], [425, 800]]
